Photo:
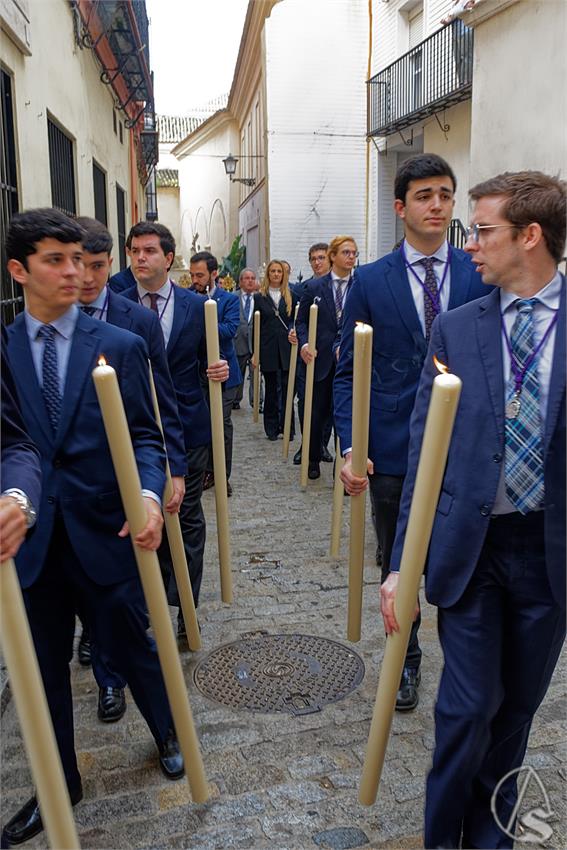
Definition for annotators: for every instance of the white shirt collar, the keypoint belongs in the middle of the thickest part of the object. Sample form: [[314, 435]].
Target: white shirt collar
[[163, 290], [64, 325], [550, 295], [335, 276], [415, 256], [99, 301]]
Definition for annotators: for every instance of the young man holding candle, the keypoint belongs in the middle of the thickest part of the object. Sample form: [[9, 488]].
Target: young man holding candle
[[98, 301], [181, 316], [399, 295], [330, 293], [80, 552], [204, 271], [496, 567]]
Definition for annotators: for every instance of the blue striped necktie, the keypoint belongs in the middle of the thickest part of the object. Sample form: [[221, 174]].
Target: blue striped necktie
[[523, 433], [50, 375]]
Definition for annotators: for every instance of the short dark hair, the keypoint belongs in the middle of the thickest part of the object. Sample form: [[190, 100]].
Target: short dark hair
[[205, 257], [97, 239], [531, 196], [418, 167], [318, 246], [152, 228], [31, 226]]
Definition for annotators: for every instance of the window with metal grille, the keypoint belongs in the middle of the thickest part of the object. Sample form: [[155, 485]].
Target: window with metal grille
[[121, 215], [12, 301], [61, 169], [99, 186]]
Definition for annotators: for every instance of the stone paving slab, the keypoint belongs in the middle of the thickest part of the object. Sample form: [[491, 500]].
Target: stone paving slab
[[277, 781]]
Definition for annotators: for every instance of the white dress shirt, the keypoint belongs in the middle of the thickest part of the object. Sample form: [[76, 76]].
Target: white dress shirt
[[100, 305], [414, 257], [165, 305], [275, 294], [543, 313]]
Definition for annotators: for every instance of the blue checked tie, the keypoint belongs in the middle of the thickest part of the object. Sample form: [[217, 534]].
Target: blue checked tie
[[339, 299], [524, 443], [50, 375]]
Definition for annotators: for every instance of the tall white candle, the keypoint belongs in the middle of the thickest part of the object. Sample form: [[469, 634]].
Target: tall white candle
[[33, 713], [362, 371], [177, 549], [308, 403], [432, 459], [219, 458], [123, 458], [290, 392], [256, 408]]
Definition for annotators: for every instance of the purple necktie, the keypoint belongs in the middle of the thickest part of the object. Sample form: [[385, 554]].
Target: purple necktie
[[431, 295]]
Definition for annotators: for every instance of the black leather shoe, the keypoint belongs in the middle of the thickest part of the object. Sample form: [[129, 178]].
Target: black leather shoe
[[313, 471], [297, 457], [181, 629], [170, 758], [111, 704], [27, 821], [272, 437], [407, 697], [228, 489], [236, 406], [84, 651], [326, 455]]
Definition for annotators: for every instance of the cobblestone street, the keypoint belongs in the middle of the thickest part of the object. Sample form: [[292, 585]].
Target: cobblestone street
[[277, 781]]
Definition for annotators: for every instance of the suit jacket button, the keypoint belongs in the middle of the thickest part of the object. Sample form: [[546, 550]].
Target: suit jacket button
[[497, 457], [57, 463], [51, 500], [485, 510]]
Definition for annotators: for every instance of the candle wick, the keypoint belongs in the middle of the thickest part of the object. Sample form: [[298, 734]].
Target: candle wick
[[209, 296]]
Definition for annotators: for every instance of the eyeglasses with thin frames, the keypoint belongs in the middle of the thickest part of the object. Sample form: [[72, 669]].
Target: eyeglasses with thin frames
[[473, 232], [347, 253]]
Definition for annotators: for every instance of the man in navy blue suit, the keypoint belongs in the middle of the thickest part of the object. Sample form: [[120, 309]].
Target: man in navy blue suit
[[399, 295], [182, 320], [80, 553], [204, 270], [330, 293], [98, 301], [496, 566], [21, 468]]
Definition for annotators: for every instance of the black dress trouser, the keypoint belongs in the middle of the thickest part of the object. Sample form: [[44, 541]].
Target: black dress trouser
[[385, 492]]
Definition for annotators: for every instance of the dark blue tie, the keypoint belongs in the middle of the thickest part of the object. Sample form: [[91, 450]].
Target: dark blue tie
[[247, 307], [90, 311], [50, 375]]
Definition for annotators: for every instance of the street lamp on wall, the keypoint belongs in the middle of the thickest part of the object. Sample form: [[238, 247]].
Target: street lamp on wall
[[230, 168]]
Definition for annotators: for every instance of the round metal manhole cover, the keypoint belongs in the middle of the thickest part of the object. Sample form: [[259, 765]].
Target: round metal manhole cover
[[296, 674]]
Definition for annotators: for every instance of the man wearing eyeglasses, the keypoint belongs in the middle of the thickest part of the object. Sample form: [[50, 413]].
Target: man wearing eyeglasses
[[330, 293], [496, 568], [400, 295]]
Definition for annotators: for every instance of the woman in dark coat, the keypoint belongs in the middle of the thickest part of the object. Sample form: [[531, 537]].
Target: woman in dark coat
[[276, 304]]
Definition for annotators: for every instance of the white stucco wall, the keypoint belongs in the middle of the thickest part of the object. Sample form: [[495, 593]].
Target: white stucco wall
[[454, 146], [519, 107], [316, 67], [205, 196], [62, 80]]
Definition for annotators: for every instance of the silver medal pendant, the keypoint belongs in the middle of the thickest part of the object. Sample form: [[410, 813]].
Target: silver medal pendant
[[513, 407]]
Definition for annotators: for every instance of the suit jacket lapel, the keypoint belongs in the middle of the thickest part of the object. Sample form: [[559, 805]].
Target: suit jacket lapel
[[460, 281], [180, 307], [28, 384], [84, 346], [557, 379], [118, 309], [328, 295], [490, 345], [400, 289]]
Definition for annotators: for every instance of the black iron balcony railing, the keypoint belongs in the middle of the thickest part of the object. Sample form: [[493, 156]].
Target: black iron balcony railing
[[432, 76], [457, 233]]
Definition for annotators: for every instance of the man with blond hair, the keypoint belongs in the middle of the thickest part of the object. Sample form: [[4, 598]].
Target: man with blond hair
[[329, 292]]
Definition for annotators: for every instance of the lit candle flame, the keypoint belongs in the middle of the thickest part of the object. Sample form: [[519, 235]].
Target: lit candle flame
[[102, 360], [440, 366]]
